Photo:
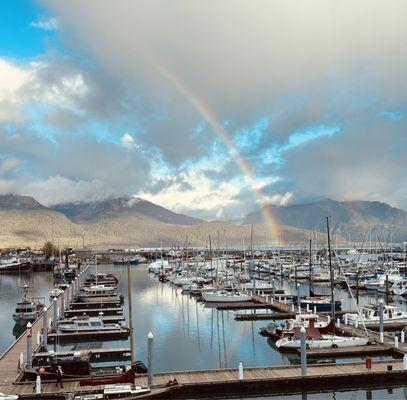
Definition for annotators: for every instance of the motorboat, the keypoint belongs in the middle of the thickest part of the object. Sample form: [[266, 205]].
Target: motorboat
[[54, 293], [13, 265], [400, 288], [28, 308], [223, 296], [86, 324], [255, 285], [319, 303], [99, 289], [370, 315]]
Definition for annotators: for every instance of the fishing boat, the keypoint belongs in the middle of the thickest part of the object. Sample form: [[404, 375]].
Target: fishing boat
[[370, 315], [87, 324], [223, 296], [28, 308]]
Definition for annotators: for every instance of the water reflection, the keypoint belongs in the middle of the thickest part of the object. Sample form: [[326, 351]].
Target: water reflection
[[188, 334], [19, 328]]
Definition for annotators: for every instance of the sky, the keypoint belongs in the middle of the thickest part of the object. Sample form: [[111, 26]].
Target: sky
[[212, 108]]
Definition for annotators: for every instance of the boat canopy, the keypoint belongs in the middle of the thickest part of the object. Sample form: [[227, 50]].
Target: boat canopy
[[311, 333]]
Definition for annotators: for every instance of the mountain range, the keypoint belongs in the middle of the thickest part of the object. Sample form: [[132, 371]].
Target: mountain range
[[135, 222]]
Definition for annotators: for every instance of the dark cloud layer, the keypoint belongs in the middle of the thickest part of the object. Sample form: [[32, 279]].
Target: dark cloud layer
[[160, 72]]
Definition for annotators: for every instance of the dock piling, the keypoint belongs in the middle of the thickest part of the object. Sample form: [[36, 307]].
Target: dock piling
[[402, 336], [21, 363], [29, 346], [55, 316], [381, 321], [45, 328], [240, 371], [38, 385], [62, 306], [298, 298], [150, 338], [405, 361], [315, 309], [303, 352], [338, 322], [396, 341]]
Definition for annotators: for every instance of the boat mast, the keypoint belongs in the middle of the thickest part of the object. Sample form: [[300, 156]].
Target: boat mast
[[130, 314], [331, 272], [310, 266], [251, 254], [210, 255]]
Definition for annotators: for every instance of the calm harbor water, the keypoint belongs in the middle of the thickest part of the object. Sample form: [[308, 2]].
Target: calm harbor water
[[187, 335]]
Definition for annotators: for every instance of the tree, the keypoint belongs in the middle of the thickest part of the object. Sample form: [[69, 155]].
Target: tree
[[49, 249]]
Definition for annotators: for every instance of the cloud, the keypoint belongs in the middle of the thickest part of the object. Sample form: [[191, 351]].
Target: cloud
[[313, 98], [50, 24], [8, 164]]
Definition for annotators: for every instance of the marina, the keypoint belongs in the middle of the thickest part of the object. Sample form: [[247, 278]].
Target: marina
[[79, 305]]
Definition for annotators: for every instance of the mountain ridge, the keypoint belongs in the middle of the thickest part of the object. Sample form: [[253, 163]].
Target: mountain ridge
[[123, 205], [355, 215], [135, 222]]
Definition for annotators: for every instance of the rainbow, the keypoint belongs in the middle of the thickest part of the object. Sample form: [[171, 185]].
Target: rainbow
[[209, 116]]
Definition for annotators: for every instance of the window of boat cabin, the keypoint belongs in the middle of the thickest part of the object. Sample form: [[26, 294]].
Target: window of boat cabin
[[82, 324], [95, 324]]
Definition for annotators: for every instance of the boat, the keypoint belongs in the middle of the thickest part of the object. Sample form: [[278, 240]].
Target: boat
[[8, 396], [400, 288], [99, 289], [28, 308], [315, 339], [370, 315], [276, 329], [86, 324], [102, 278], [320, 303], [125, 261], [223, 296], [127, 377], [54, 293], [78, 366], [13, 265], [130, 392]]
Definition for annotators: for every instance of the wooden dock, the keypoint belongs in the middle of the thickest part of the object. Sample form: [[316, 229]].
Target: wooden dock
[[10, 358], [345, 352], [210, 383]]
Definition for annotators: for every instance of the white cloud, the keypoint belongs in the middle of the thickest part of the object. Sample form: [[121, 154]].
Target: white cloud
[[127, 140], [58, 189], [12, 79], [25, 85], [50, 24]]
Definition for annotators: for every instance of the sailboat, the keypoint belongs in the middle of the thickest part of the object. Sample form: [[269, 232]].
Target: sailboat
[[317, 338], [223, 296]]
